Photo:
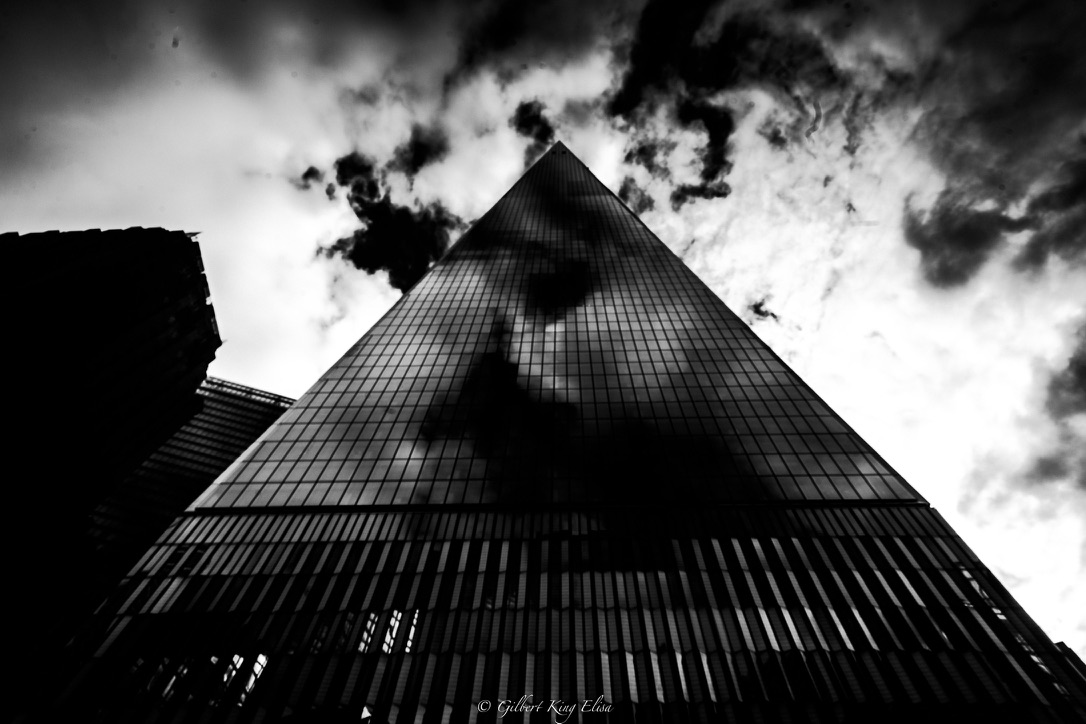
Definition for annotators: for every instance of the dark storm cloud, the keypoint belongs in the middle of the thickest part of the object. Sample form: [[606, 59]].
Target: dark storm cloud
[[425, 146], [682, 46], [685, 193], [358, 174], [759, 50], [959, 235], [635, 197], [762, 312], [99, 44], [682, 57], [1070, 192], [999, 85], [242, 36], [309, 177], [648, 152], [1012, 76], [816, 123], [528, 120], [367, 95], [1003, 92], [1067, 389], [580, 112], [854, 125], [66, 57], [665, 32], [955, 238], [773, 134], [401, 240], [65, 54], [1000, 81], [511, 36], [1060, 212], [1048, 468], [718, 124], [658, 53], [1065, 399], [69, 58]]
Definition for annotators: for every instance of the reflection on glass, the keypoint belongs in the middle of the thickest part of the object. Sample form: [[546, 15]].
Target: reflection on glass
[[258, 668], [232, 667], [367, 632], [411, 633], [390, 633]]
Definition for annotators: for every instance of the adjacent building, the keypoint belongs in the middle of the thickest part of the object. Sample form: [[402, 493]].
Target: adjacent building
[[114, 331], [113, 429], [137, 510], [561, 481]]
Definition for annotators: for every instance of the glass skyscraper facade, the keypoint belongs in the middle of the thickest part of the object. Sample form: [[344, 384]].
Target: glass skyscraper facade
[[561, 481], [125, 522]]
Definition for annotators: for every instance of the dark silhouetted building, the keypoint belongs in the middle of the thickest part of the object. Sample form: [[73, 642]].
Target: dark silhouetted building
[[118, 325], [111, 334], [128, 520], [561, 471], [113, 430]]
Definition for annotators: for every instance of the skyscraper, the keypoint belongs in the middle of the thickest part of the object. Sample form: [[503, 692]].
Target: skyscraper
[[129, 519], [561, 481], [112, 418], [119, 321], [111, 333]]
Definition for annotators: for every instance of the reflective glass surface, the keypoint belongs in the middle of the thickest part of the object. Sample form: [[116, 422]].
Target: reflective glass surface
[[559, 354]]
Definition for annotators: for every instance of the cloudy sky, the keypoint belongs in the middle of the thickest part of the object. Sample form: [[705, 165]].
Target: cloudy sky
[[893, 195]]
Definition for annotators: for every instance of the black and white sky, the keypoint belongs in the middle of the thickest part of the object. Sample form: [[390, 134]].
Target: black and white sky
[[893, 194]]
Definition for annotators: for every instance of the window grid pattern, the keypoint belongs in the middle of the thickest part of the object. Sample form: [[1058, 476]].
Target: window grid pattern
[[560, 353]]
